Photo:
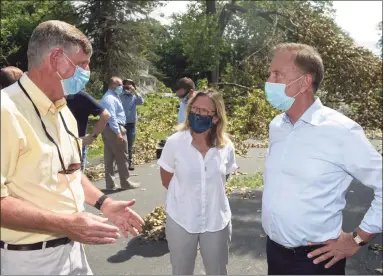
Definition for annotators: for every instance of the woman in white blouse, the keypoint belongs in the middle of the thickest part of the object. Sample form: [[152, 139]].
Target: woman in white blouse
[[195, 164]]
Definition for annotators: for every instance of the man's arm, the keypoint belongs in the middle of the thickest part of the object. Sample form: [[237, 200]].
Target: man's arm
[[91, 193], [102, 122], [96, 109], [109, 105], [364, 163], [139, 98], [21, 215]]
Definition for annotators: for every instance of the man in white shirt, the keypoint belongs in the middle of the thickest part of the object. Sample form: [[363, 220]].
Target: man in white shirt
[[314, 154], [184, 89]]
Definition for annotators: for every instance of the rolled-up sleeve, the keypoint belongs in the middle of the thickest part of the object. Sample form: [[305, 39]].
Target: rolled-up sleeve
[[167, 158], [109, 105], [364, 163], [13, 143]]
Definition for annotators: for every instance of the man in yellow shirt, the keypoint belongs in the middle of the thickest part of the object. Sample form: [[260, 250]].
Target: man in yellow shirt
[[42, 187]]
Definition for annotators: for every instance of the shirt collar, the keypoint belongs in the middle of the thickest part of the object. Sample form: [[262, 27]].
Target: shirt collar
[[188, 136], [311, 115], [42, 102]]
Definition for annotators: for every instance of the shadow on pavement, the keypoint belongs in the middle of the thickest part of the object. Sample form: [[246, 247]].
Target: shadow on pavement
[[247, 234], [139, 247]]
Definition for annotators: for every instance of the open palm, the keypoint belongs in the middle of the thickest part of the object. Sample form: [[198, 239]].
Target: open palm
[[119, 213]]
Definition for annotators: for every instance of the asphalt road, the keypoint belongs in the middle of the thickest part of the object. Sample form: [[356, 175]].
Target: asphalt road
[[247, 249]]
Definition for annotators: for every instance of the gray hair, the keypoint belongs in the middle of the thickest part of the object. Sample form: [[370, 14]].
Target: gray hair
[[307, 59], [52, 34]]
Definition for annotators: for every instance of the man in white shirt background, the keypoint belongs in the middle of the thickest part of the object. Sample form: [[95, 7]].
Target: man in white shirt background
[[314, 154]]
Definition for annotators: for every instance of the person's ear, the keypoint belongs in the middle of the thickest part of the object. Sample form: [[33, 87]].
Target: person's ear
[[215, 120], [306, 83], [54, 59]]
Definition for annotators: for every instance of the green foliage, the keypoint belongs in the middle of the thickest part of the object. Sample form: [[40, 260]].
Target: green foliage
[[380, 42], [122, 41], [250, 181], [251, 116], [20, 18], [157, 119], [353, 74], [202, 84]]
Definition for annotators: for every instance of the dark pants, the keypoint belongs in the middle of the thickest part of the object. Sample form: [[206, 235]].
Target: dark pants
[[283, 261], [131, 134]]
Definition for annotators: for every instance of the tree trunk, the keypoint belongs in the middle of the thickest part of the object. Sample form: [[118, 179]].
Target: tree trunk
[[211, 7]]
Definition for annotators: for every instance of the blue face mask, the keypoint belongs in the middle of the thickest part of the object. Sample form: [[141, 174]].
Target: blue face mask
[[200, 124], [119, 90], [77, 82], [276, 96]]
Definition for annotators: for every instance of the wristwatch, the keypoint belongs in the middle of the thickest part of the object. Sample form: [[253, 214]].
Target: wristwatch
[[358, 240], [100, 201]]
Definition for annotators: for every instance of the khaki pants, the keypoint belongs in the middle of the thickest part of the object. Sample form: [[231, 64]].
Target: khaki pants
[[115, 152], [68, 259]]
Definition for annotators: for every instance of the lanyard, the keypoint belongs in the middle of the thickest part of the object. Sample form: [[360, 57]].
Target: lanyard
[[46, 132]]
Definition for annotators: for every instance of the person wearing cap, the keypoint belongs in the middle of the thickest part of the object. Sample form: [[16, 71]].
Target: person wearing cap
[[130, 98]]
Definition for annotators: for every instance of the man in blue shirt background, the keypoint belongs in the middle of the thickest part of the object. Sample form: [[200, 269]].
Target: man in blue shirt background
[[115, 139], [130, 98], [82, 106], [184, 89]]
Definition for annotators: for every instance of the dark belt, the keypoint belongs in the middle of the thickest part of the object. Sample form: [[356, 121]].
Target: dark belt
[[35, 246], [301, 250]]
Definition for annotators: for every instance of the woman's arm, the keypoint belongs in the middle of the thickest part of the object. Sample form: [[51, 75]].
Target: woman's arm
[[165, 177]]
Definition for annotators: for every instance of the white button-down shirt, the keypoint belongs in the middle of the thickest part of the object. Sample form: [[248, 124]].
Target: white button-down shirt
[[308, 170], [196, 197]]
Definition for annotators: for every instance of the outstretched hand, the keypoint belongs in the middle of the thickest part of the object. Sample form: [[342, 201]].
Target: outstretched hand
[[119, 213]]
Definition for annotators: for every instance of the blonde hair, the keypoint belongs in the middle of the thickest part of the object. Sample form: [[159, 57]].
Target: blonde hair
[[217, 136]]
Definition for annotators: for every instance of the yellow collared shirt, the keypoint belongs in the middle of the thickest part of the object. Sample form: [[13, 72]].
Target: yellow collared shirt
[[29, 160]]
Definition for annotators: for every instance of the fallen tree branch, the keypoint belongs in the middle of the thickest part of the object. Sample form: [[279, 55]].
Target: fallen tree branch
[[238, 85]]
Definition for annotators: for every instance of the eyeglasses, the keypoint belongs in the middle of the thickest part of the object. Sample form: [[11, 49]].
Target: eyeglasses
[[202, 111], [72, 167]]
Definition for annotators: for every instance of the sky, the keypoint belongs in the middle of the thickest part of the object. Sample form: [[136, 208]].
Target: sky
[[358, 18]]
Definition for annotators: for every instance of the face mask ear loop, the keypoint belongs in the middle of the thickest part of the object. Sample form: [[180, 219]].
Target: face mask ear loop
[[294, 82], [69, 59], [59, 75]]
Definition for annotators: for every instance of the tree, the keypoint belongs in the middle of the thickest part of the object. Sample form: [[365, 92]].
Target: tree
[[380, 42], [115, 30], [20, 18]]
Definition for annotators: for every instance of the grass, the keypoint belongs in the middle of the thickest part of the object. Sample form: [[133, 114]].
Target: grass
[[149, 119], [249, 182]]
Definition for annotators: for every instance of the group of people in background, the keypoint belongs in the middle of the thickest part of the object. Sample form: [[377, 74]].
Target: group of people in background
[[120, 101], [314, 153]]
